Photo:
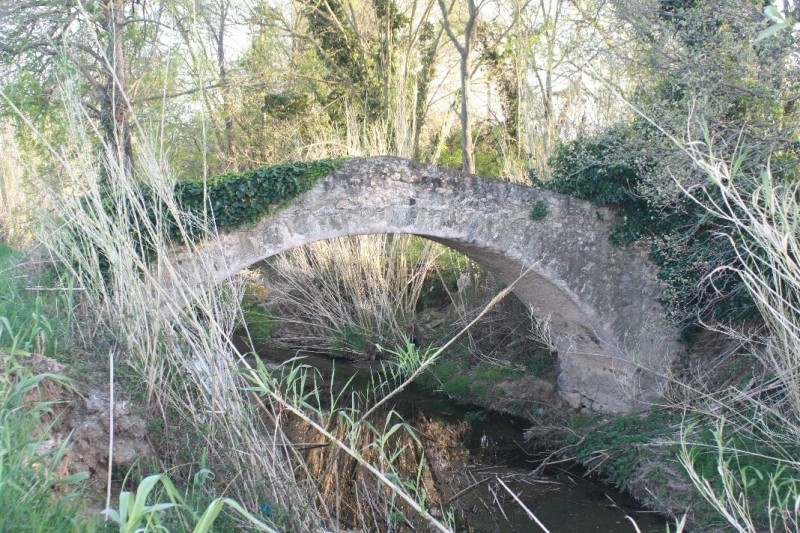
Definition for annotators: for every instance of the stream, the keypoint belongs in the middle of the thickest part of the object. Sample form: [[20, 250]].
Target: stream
[[477, 458]]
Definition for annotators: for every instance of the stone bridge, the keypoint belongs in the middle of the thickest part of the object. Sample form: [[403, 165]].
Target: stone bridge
[[614, 343]]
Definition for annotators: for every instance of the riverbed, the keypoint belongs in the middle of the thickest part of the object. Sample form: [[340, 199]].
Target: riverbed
[[483, 472]]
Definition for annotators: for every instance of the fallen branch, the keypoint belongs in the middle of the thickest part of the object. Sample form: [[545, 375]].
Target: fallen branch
[[467, 489], [528, 511]]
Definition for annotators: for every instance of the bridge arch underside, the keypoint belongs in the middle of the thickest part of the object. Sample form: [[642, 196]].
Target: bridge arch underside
[[612, 338]]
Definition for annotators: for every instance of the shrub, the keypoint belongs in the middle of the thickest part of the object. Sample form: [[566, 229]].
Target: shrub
[[687, 243], [457, 386], [490, 373], [543, 364], [444, 370], [488, 153], [538, 211], [590, 168], [621, 442], [260, 322]]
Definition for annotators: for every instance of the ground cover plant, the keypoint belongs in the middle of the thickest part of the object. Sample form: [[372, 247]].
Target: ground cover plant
[[36, 491]]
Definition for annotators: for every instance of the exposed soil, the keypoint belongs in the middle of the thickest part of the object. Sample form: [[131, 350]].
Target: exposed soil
[[80, 413]]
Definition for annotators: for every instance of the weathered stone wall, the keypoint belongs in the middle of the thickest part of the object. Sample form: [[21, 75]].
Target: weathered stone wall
[[614, 342]]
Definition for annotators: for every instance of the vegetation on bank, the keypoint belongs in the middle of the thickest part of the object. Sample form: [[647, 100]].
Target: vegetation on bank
[[687, 243], [35, 494], [39, 490], [203, 397], [714, 195], [730, 429]]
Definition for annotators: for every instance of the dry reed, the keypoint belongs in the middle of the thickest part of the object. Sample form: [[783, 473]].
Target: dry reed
[[354, 293]]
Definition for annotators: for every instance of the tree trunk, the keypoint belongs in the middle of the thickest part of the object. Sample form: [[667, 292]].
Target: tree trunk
[[114, 108], [465, 53], [227, 142], [467, 157], [424, 79]]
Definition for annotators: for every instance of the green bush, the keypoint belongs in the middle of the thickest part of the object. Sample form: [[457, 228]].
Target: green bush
[[260, 322], [443, 370], [488, 153], [622, 441], [458, 386], [449, 376], [475, 416], [538, 211], [686, 243], [543, 364], [490, 373], [475, 384], [589, 168]]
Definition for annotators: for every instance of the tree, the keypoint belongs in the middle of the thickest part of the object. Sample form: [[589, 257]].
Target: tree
[[111, 44], [338, 77], [560, 47], [205, 28], [701, 61], [703, 78], [114, 107], [504, 18], [358, 44], [430, 36], [216, 21], [41, 34], [465, 50]]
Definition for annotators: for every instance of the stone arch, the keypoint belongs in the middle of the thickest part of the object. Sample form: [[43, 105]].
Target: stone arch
[[613, 339]]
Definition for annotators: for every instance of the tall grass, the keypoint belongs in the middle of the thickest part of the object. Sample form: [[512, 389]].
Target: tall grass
[[756, 458], [24, 325], [135, 514], [35, 492], [173, 328], [354, 293], [15, 199], [175, 337], [344, 427], [350, 445]]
